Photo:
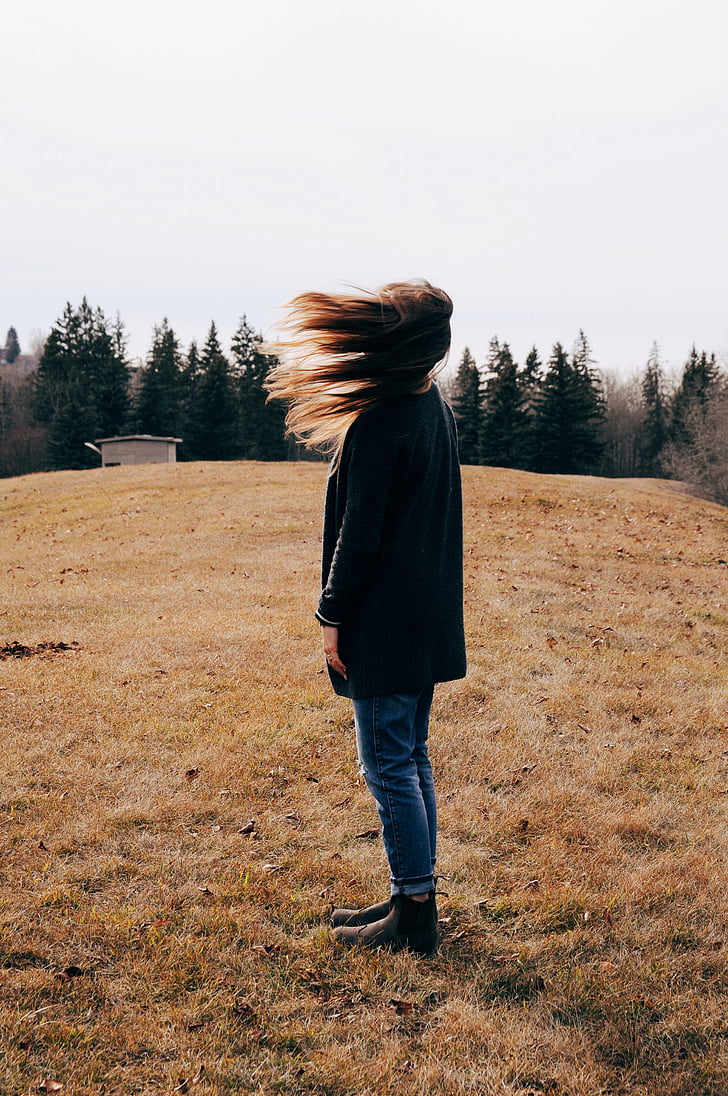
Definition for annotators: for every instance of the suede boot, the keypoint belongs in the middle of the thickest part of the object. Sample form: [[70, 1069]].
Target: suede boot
[[360, 917], [409, 924]]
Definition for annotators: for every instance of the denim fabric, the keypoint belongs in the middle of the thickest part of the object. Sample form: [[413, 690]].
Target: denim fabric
[[391, 740]]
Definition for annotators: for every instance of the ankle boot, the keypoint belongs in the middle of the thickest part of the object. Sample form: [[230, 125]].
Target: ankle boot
[[360, 917], [409, 924]]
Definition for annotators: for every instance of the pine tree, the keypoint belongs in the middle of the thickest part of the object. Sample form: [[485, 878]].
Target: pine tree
[[589, 407], [113, 399], [690, 402], [262, 424], [569, 417], [654, 427], [505, 422], [553, 412], [12, 346], [467, 405], [529, 379], [159, 401], [82, 384], [702, 461], [57, 365], [213, 427], [189, 381], [74, 423]]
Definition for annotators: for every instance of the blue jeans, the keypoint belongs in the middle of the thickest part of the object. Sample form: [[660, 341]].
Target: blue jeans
[[391, 740]]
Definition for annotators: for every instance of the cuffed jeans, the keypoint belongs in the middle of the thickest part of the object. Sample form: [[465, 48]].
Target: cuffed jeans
[[391, 740]]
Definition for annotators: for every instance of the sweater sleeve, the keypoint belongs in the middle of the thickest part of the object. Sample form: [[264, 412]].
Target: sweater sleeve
[[369, 463]]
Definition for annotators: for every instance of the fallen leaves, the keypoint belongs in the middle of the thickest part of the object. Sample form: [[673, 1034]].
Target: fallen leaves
[[266, 950], [186, 1083], [540, 1088], [69, 973]]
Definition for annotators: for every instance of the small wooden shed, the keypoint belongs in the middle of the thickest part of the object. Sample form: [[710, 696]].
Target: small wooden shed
[[138, 449]]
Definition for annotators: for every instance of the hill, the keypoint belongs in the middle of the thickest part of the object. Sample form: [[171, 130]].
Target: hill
[[179, 803]]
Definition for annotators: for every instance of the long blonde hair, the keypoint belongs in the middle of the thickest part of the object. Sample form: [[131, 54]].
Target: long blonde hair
[[341, 354]]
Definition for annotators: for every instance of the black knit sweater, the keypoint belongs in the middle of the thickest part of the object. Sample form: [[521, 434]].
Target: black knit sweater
[[392, 567]]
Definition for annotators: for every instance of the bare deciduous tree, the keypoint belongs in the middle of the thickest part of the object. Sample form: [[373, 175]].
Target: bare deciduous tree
[[703, 462], [622, 425]]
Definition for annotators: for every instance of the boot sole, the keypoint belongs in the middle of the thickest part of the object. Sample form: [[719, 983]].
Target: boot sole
[[386, 945]]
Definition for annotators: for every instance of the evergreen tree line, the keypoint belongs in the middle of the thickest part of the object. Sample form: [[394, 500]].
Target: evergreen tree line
[[215, 402], [564, 417]]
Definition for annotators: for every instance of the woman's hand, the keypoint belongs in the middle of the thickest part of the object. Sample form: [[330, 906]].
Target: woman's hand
[[331, 649]]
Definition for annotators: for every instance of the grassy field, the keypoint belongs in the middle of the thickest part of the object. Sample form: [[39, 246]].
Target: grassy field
[[180, 807]]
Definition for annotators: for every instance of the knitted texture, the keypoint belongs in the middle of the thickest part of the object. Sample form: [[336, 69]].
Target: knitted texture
[[392, 565]]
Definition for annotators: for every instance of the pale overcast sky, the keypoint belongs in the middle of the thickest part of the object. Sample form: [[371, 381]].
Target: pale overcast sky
[[554, 166]]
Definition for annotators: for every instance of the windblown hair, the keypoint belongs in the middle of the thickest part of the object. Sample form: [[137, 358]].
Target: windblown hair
[[341, 354]]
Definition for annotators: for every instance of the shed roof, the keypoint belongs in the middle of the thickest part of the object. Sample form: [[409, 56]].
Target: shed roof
[[138, 437]]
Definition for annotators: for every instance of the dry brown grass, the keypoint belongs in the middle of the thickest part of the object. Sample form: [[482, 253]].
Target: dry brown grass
[[583, 782]]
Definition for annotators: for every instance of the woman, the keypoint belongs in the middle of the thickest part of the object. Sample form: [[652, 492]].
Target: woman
[[357, 370]]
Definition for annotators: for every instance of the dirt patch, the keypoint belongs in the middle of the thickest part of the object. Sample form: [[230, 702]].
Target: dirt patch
[[20, 650]]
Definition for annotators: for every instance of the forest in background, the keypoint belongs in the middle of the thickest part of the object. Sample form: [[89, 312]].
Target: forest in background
[[566, 417], [562, 415]]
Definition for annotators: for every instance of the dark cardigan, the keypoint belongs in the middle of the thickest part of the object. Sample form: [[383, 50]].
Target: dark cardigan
[[392, 567]]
